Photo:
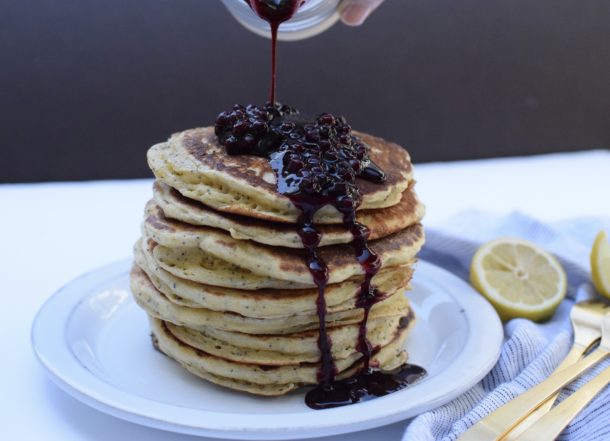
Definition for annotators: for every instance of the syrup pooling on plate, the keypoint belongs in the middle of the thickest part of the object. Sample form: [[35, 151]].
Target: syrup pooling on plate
[[363, 386]]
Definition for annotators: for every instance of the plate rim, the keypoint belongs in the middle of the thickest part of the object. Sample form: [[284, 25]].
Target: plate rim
[[72, 294]]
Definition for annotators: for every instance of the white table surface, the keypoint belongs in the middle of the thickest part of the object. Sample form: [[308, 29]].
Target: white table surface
[[51, 233]]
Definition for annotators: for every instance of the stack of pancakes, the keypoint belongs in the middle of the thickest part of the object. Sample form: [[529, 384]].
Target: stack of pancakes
[[222, 273]]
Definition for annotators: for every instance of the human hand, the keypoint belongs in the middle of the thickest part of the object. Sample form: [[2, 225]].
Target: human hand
[[354, 12]]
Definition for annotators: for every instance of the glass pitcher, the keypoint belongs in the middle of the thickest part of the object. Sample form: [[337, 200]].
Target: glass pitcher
[[313, 18]]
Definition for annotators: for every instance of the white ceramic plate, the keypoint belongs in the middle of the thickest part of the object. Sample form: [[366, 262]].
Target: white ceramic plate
[[94, 341]]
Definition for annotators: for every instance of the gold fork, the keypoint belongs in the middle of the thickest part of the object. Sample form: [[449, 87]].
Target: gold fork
[[496, 425], [586, 318]]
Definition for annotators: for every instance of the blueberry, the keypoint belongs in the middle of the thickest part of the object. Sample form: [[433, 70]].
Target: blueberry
[[325, 132], [326, 119], [231, 145], [341, 188], [240, 127], [331, 169], [345, 139], [324, 145], [250, 141], [307, 184], [361, 151], [286, 110], [222, 118], [312, 135], [356, 165], [344, 130], [347, 174], [331, 156], [287, 126], [324, 181], [293, 165], [345, 203], [342, 164], [259, 127]]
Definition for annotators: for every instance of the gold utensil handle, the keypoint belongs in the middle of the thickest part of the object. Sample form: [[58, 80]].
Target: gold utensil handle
[[498, 423], [573, 356], [550, 425]]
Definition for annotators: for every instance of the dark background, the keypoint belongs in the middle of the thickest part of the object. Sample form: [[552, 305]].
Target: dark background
[[88, 85]]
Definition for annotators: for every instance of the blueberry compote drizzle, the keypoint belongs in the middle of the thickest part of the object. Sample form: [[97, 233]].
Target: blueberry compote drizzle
[[317, 162], [274, 12]]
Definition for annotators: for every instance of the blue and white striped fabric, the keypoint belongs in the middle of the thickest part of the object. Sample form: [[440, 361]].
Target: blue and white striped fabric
[[531, 351]]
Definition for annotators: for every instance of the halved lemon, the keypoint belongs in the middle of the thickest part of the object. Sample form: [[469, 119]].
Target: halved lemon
[[518, 278], [600, 264]]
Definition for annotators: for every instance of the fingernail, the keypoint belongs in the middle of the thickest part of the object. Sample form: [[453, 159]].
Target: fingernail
[[355, 13]]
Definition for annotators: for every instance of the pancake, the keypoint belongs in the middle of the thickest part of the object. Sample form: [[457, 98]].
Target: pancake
[[177, 254], [379, 333], [342, 336], [156, 304], [264, 303], [261, 379], [381, 222], [196, 265], [197, 166]]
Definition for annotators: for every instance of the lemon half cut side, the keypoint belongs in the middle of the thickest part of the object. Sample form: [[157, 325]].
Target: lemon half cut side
[[518, 278]]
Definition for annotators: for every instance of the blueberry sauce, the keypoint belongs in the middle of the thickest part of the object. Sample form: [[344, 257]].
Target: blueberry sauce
[[363, 386], [274, 12], [316, 162]]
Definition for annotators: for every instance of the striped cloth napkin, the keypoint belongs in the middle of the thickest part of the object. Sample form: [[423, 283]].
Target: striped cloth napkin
[[530, 351]]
